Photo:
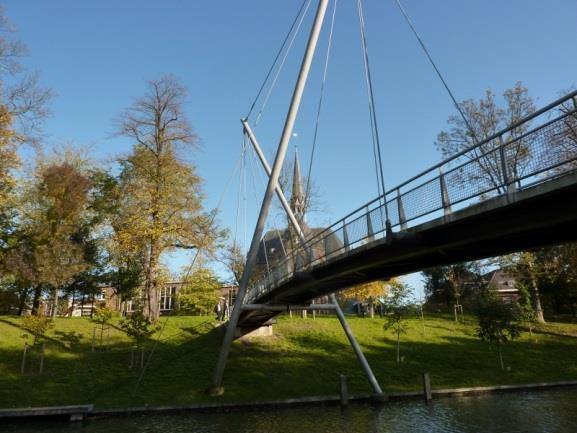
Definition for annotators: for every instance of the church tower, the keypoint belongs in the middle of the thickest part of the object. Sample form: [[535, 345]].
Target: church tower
[[298, 196]]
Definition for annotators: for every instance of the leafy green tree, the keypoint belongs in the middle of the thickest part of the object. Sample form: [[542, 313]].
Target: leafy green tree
[[56, 207], [139, 327], [451, 284], [198, 294], [37, 326], [530, 267], [161, 202], [497, 321], [102, 316], [526, 312], [398, 306]]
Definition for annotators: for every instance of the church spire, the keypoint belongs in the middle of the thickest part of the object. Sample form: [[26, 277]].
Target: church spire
[[298, 197]]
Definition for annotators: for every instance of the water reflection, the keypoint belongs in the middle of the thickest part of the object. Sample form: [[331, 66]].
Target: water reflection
[[546, 411]]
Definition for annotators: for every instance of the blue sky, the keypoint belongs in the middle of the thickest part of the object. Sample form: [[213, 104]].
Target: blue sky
[[97, 55]]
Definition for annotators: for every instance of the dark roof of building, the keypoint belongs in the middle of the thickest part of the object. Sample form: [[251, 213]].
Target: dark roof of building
[[276, 244], [501, 280]]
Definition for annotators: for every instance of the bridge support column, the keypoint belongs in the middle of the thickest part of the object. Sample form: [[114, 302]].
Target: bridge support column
[[357, 349]]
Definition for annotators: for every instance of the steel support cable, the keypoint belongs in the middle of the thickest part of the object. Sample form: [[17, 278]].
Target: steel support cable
[[214, 214], [329, 47], [372, 109], [433, 64], [240, 192], [276, 58], [367, 82], [287, 51]]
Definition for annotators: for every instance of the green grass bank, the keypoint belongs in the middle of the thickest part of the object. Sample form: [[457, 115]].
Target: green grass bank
[[303, 358]]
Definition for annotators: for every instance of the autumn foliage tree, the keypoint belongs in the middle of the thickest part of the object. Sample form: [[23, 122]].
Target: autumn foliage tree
[[54, 212], [368, 292], [161, 201]]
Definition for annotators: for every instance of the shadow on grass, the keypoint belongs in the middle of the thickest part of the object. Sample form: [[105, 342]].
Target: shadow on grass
[[294, 363], [73, 374]]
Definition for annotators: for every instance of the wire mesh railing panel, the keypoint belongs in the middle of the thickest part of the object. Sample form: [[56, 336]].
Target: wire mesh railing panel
[[377, 219], [357, 229], [393, 208], [422, 200], [479, 177]]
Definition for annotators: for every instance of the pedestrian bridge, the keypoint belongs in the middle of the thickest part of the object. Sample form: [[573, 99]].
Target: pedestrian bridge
[[515, 190]]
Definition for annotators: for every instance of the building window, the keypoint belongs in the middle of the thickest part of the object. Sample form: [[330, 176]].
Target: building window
[[167, 298]]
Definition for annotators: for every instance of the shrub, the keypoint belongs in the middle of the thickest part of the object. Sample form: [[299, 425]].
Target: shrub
[[38, 326]]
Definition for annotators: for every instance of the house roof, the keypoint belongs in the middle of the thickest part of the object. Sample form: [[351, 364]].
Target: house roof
[[501, 280]]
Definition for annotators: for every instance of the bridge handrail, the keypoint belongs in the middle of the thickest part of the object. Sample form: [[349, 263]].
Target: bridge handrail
[[365, 210], [488, 140]]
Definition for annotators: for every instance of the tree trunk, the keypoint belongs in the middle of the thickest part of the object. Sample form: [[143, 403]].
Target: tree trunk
[[55, 303], [501, 358], [371, 307], [22, 301], [398, 346], [151, 308], [536, 299], [36, 300]]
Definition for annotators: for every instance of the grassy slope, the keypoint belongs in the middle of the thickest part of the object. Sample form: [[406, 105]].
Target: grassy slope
[[304, 357]]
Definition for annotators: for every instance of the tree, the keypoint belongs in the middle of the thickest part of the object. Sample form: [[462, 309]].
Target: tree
[[49, 249], [198, 294], [37, 326], [367, 292], [526, 312], [160, 195], [20, 95], [486, 119], [57, 215], [564, 142], [8, 162], [140, 328], [529, 269], [234, 260], [557, 276], [22, 108], [497, 321], [451, 284], [397, 306]]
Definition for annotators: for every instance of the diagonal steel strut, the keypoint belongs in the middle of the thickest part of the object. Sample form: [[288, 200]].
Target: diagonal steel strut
[[271, 186]]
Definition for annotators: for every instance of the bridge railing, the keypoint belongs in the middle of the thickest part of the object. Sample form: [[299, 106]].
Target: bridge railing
[[536, 149]]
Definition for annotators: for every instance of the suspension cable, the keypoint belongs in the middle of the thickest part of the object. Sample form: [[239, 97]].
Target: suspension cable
[[372, 109], [287, 51], [240, 191], [432, 62], [276, 58], [329, 46]]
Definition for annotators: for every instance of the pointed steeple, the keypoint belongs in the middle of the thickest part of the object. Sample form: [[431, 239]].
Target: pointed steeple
[[298, 197]]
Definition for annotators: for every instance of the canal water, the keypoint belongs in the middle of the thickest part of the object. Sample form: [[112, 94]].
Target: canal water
[[540, 411]]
